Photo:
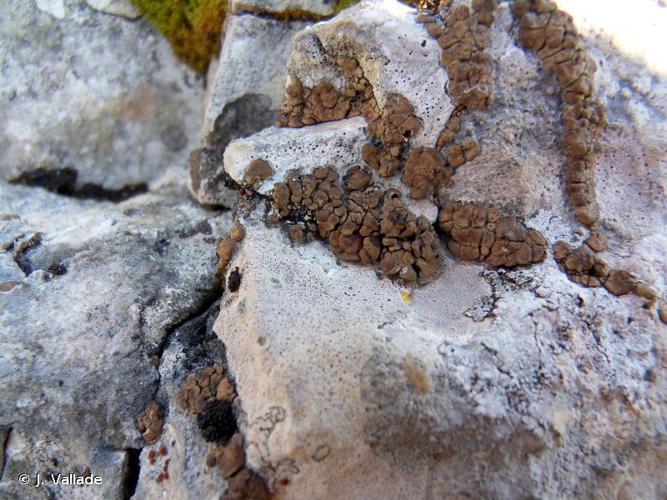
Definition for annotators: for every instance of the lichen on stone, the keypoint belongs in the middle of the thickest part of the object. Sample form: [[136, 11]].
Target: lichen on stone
[[552, 35], [257, 172], [484, 234], [463, 36], [203, 387], [150, 422], [361, 222], [425, 171], [583, 266], [193, 27], [391, 131], [324, 102]]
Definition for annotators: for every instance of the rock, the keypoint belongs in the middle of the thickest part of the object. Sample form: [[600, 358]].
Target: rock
[[251, 72], [181, 450], [245, 96], [124, 8], [285, 8], [56, 8], [89, 294], [486, 383], [373, 35], [333, 143], [80, 95]]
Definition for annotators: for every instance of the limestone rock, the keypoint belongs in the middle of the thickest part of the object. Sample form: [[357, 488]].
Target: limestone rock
[[89, 292], [374, 32], [485, 383], [124, 8], [79, 92], [251, 72], [181, 450], [285, 8], [244, 97], [336, 144]]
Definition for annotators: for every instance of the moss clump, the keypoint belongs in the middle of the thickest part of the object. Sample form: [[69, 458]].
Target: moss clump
[[193, 27], [343, 4]]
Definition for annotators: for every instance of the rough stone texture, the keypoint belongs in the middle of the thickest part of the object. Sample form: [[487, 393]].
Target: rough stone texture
[[373, 36], [123, 8], [485, 383], [89, 292], [244, 96], [192, 347], [243, 78], [78, 91], [284, 8]]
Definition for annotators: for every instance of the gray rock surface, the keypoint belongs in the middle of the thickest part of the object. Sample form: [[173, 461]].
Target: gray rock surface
[[97, 93], [245, 95], [90, 293], [191, 347], [485, 383], [302, 8]]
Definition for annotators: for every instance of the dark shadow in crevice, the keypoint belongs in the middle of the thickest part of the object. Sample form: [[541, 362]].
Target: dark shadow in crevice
[[63, 181]]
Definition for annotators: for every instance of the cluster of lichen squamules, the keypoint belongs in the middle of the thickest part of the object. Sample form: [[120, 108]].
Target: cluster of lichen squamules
[[474, 232]]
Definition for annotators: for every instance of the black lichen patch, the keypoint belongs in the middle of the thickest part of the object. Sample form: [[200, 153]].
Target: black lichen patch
[[234, 281], [217, 422]]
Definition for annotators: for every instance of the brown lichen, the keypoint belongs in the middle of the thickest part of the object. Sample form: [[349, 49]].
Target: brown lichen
[[150, 422], [247, 484], [481, 234], [463, 38], [257, 172], [450, 129], [203, 387], [362, 223], [425, 171], [230, 458], [224, 249], [324, 102], [238, 232], [583, 266], [552, 35], [392, 130]]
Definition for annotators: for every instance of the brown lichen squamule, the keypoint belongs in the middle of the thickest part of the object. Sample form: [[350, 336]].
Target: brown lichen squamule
[[203, 387], [392, 130], [584, 267], [150, 422], [481, 234], [362, 223], [324, 102], [257, 172], [463, 38], [200, 389], [552, 35]]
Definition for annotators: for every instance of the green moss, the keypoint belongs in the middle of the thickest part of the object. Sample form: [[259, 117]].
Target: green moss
[[193, 27], [343, 4]]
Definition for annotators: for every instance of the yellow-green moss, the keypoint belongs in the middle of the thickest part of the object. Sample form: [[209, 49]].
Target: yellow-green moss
[[193, 27], [343, 4]]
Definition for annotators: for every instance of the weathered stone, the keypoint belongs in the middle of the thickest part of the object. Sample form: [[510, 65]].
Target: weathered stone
[[83, 327], [79, 92], [373, 33]]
